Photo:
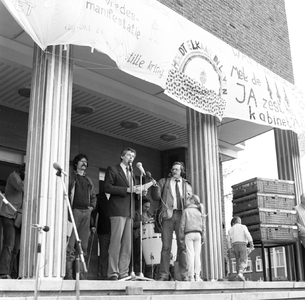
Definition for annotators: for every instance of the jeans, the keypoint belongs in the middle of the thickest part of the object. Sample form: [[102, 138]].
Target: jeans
[[193, 250], [82, 222], [168, 227], [241, 256], [11, 245]]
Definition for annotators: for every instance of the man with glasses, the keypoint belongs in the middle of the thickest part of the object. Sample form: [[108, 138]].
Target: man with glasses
[[171, 193], [83, 200]]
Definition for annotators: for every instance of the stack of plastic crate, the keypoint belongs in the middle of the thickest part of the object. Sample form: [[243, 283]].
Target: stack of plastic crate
[[266, 208]]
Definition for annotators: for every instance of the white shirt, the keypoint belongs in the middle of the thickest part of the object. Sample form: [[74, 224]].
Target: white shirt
[[124, 168], [238, 233]]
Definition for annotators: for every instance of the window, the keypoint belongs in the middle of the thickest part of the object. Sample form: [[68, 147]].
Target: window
[[102, 174], [249, 266], [258, 264], [280, 257], [233, 261]]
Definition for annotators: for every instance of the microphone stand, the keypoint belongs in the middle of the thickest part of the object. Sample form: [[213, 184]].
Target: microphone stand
[[38, 262], [80, 254], [141, 276], [141, 226]]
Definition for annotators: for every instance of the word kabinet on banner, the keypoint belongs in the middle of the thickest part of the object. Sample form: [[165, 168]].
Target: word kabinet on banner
[[261, 97], [150, 41]]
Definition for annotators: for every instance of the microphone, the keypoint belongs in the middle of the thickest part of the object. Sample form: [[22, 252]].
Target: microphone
[[130, 166], [57, 167], [140, 167], [39, 227], [148, 174]]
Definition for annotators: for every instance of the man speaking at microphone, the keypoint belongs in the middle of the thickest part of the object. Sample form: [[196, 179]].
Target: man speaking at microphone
[[83, 200], [120, 184]]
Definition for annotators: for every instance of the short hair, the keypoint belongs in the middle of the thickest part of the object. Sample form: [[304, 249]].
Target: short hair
[[77, 158], [195, 198], [235, 220], [128, 149]]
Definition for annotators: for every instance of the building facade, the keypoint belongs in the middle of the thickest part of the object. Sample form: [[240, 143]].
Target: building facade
[[67, 82]]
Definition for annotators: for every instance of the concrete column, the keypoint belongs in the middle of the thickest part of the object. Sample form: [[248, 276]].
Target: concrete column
[[48, 142], [204, 175], [289, 168]]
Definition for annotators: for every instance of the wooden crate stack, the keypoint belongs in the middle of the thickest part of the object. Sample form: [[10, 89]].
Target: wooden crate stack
[[265, 206]]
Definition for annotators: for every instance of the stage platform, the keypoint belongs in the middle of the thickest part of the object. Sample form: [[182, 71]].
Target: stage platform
[[151, 290]]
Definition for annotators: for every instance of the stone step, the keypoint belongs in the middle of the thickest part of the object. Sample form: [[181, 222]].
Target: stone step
[[150, 290]]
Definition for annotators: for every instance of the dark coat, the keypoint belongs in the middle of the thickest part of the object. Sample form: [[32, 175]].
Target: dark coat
[[116, 185]]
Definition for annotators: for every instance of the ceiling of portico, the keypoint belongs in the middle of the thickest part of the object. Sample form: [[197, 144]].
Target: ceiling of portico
[[114, 95]]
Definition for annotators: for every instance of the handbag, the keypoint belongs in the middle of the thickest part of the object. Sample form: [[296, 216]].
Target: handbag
[[18, 220]]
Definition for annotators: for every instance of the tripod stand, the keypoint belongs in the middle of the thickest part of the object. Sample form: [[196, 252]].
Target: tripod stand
[[80, 255]]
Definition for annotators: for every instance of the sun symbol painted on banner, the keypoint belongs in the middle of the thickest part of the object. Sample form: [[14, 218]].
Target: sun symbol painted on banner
[[197, 79], [202, 70]]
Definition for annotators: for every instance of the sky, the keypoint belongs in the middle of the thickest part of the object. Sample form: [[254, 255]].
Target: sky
[[259, 157]]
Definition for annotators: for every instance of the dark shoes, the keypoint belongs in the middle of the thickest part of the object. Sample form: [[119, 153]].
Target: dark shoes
[[113, 278], [5, 276]]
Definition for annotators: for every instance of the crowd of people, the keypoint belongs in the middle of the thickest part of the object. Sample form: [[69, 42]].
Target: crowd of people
[[118, 220]]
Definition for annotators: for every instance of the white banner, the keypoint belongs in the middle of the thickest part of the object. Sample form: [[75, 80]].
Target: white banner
[[148, 40]]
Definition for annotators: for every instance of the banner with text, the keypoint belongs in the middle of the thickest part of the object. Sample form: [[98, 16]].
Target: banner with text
[[148, 40]]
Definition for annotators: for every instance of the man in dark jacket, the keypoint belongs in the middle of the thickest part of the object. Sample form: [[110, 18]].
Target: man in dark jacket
[[83, 200], [120, 184]]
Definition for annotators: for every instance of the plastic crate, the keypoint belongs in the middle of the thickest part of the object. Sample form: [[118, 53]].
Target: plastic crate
[[268, 216], [263, 185], [276, 233], [258, 200]]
